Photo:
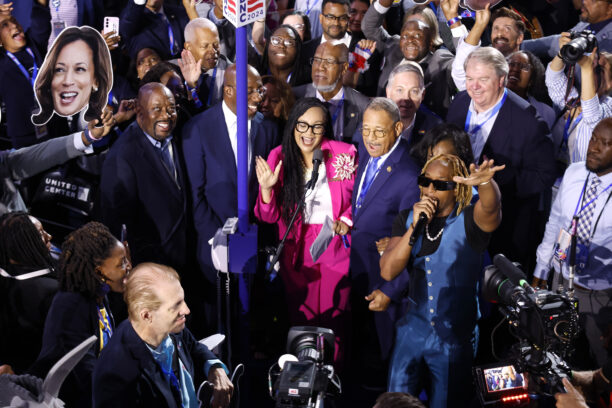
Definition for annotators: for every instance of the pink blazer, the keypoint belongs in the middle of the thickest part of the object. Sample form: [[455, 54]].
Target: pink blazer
[[340, 185]]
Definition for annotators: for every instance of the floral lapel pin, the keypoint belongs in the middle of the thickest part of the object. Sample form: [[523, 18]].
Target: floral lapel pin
[[344, 167]]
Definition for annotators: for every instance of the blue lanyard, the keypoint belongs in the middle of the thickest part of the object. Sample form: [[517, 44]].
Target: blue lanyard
[[337, 111], [56, 4], [434, 8], [170, 33], [106, 330], [493, 113], [110, 98], [22, 68], [309, 7], [211, 87], [576, 212], [289, 77], [566, 128]]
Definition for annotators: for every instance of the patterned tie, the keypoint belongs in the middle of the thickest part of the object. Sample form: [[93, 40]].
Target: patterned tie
[[586, 215], [164, 152], [367, 181]]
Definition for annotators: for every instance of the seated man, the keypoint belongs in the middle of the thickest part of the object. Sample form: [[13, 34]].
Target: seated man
[[152, 360]]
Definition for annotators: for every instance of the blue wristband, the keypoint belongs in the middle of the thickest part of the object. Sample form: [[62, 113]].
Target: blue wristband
[[453, 21]]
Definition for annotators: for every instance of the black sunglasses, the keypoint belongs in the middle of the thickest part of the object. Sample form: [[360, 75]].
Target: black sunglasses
[[439, 185]]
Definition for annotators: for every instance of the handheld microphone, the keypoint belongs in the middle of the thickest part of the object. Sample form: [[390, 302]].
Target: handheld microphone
[[513, 272], [317, 158], [418, 229]]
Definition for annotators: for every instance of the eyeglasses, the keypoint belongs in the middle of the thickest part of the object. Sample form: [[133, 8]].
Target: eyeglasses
[[303, 127], [287, 42], [378, 133], [343, 18], [298, 26], [523, 66], [261, 91], [325, 62], [439, 185]]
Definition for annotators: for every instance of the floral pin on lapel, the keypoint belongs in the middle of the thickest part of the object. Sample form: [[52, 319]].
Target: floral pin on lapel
[[344, 167]]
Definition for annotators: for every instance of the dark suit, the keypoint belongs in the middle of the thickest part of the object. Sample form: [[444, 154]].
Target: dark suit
[[72, 319], [141, 28], [138, 191], [394, 189], [520, 140], [127, 375], [353, 107], [424, 121], [212, 173], [309, 48], [91, 13]]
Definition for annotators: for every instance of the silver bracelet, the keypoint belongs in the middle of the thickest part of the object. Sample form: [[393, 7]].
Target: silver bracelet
[[486, 182]]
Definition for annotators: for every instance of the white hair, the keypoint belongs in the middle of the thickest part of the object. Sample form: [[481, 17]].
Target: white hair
[[200, 22]]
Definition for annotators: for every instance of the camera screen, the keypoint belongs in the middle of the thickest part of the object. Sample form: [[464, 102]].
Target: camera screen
[[503, 378]]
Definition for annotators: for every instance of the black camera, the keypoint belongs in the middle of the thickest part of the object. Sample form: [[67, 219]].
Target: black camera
[[581, 42], [544, 322], [305, 377]]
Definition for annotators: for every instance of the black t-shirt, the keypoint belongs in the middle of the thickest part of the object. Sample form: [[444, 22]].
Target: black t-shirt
[[477, 238]]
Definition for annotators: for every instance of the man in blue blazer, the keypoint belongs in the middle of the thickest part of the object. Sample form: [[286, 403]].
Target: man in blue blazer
[[506, 128], [209, 146], [386, 183], [152, 360]]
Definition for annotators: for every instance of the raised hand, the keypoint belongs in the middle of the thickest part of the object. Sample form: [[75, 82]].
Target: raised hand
[[427, 205], [112, 39], [483, 16], [450, 8], [265, 176], [190, 69], [6, 9], [479, 175], [564, 38], [98, 131], [367, 45], [127, 110]]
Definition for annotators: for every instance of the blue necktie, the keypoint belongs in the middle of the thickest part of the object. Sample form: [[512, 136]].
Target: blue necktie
[[367, 181], [164, 152]]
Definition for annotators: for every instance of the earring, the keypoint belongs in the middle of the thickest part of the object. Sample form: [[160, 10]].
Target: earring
[[95, 88]]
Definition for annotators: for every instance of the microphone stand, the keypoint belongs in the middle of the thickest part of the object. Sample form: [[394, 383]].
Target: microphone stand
[[572, 259]]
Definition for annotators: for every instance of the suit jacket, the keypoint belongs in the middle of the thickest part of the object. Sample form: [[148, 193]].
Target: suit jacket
[[127, 375], [72, 319], [309, 48], [138, 191], [394, 189], [354, 105], [141, 28], [520, 139], [424, 121], [91, 13], [341, 190], [439, 85], [212, 173]]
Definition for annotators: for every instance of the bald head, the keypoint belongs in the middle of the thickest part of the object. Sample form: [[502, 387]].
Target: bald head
[[156, 110], [329, 64], [254, 89]]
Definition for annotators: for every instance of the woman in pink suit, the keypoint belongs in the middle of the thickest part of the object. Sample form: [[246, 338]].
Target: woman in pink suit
[[317, 291]]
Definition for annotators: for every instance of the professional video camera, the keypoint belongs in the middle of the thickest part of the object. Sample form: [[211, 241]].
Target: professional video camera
[[545, 322], [582, 42], [305, 376]]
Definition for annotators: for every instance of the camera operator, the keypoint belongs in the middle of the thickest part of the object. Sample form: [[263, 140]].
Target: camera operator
[[594, 382], [594, 103], [586, 191]]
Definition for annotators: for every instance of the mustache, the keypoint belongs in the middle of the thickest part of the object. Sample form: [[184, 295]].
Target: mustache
[[501, 38]]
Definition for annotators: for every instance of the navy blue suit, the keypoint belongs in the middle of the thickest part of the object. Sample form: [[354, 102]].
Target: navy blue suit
[[127, 375], [211, 169], [394, 189], [520, 139], [91, 13], [141, 28], [138, 191]]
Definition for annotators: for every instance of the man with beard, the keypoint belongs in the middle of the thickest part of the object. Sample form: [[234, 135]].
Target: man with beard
[[507, 32], [585, 192], [595, 15], [416, 43], [202, 66], [345, 104], [406, 87]]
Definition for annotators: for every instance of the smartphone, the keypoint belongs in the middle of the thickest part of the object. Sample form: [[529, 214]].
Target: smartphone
[[111, 24]]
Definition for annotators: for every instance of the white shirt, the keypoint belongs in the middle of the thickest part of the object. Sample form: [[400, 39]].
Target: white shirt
[[312, 8], [231, 122], [66, 11], [457, 72], [346, 40], [318, 202], [479, 138], [380, 163], [334, 102]]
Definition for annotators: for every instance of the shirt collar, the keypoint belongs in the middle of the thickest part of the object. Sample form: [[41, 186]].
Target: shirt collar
[[157, 143], [230, 117], [597, 27], [605, 180], [336, 98], [346, 40], [473, 109], [384, 157]]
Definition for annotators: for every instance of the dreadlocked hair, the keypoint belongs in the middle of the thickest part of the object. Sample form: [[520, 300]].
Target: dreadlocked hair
[[82, 252], [294, 167], [21, 243], [463, 192]]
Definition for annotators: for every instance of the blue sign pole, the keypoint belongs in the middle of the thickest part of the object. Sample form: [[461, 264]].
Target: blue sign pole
[[242, 129]]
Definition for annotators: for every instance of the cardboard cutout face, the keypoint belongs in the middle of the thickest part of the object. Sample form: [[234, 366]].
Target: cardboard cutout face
[[476, 5], [75, 76]]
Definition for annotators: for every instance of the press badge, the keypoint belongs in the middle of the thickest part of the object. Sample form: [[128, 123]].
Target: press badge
[[58, 26], [562, 247]]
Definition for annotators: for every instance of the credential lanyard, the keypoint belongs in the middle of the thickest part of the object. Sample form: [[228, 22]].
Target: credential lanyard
[[170, 33], [493, 113], [309, 7], [576, 212], [337, 111], [211, 88], [24, 71]]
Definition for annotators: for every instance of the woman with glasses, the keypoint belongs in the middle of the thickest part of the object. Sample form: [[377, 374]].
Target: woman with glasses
[[300, 21], [281, 57], [93, 263], [316, 281], [438, 334]]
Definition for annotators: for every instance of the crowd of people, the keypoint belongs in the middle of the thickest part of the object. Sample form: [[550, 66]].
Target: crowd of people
[[448, 132]]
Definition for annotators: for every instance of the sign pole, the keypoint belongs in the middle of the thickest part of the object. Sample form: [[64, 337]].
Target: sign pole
[[242, 129]]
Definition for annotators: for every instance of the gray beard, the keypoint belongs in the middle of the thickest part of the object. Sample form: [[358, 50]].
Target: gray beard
[[326, 88]]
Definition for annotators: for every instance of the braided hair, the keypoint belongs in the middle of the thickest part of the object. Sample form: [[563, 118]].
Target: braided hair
[[21, 243], [463, 192], [82, 252]]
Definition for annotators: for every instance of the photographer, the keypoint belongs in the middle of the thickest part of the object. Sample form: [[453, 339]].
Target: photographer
[[591, 382], [594, 103]]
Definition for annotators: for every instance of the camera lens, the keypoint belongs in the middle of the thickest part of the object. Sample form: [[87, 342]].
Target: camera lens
[[574, 50]]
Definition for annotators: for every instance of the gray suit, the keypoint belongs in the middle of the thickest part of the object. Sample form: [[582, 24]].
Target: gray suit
[[354, 105], [436, 66], [549, 45], [27, 162]]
